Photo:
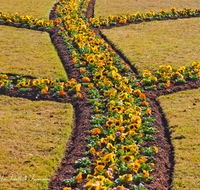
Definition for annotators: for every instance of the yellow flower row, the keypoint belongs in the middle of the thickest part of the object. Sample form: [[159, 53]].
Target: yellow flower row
[[112, 20], [165, 73], [43, 85], [25, 20]]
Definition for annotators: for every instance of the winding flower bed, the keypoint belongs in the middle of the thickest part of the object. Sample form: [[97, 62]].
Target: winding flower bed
[[121, 118]]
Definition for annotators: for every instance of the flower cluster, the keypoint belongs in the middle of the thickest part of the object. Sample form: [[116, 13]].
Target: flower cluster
[[43, 86], [117, 134], [127, 18], [25, 20], [5, 84], [166, 73]]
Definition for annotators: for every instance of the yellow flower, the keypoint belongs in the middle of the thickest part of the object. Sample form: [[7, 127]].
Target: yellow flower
[[126, 177], [111, 137], [46, 88], [98, 169], [127, 158], [134, 126], [110, 146], [172, 9], [78, 86], [109, 158], [136, 119], [137, 92], [134, 166], [123, 96], [146, 73], [121, 129], [98, 77], [155, 148], [132, 133], [109, 123], [195, 64], [152, 78], [118, 109]]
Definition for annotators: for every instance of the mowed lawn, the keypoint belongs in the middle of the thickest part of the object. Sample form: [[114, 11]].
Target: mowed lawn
[[33, 136], [105, 8], [150, 44], [28, 52], [36, 8], [182, 112]]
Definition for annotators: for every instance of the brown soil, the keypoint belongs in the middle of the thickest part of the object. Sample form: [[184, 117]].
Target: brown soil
[[76, 146]]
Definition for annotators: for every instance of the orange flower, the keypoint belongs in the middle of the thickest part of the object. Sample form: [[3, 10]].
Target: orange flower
[[96, 131], [75, 60], [132, 76], [96, 109], [142, 95], [144, 103], [61, 93], [143, 159], [138, 83], [106, 45], [126, 66], [82, 70], [152, 165], [67, 188], [3, 84], [146, 173], [86, 79], [43, 91], [79, 177], [79, 94], [148, 111], [92, 150], [168, 84], [91, 85], [113, 53]]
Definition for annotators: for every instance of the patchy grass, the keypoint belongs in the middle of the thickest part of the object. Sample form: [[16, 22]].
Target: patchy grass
[[37, 8], [182, 112], [151, 44], [27, 52], [117, 7], [33, 137]]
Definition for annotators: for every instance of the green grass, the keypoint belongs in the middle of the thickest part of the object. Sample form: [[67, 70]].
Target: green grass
[[27, 52], [36, 8], [182, 111], [117, 7], [151, 44], [33, 138]]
